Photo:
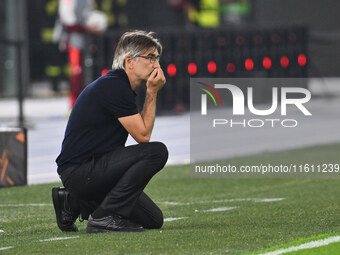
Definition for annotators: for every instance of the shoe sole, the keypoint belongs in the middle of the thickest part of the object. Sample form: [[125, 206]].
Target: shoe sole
[[57, 208], [94, 230]]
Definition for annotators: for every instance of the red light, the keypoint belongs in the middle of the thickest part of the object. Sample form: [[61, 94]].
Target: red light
[[221, 41], [212, 67], [276, 38], [192, 68], [104, 71], [267, 63], [292, 37], [284, 61], [231, 67], [258, 39], [172, 70], [302, 60], [240, 40], [249, 64]]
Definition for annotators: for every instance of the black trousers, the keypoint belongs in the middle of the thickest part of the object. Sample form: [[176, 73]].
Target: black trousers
[[116, 180]]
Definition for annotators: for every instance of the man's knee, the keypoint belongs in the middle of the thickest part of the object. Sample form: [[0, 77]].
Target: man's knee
[[159, 220], [156, 221], [147, 213], [162, 150], [157, 150]]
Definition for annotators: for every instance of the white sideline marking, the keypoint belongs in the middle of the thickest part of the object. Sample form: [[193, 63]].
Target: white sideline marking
[[173, 219], [23, 205], [58, 238], [266, 200], [256, 200], [310, 245], [171, 203], [6, 248], [218, 209]]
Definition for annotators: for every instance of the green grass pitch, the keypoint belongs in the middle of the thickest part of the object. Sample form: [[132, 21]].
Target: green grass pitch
[[310, 210]]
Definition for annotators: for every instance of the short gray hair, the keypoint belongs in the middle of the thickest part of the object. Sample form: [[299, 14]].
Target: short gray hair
[[133, 44]]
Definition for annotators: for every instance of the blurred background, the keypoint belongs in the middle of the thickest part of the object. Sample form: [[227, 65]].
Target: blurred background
[[201, 38]]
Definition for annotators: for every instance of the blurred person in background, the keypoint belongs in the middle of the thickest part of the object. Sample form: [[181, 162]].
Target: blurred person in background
[[235, 12], [103, 179], [76, 18], [202, 13]]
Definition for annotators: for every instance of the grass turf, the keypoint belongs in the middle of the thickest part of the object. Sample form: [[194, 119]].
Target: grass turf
[[311, 208]]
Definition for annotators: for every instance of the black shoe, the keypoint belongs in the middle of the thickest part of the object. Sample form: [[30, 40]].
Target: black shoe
[[113, 223], [65, 215]]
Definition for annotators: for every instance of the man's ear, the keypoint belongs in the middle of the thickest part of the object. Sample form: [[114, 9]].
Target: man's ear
[[128, 62]]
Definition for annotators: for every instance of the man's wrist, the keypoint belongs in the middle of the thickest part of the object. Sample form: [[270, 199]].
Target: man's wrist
[[151, 92]]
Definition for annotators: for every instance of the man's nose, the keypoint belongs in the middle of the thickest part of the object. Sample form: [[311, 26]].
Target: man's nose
[[156, 64]]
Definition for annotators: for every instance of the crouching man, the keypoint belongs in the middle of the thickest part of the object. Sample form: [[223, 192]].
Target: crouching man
[[104, 179]]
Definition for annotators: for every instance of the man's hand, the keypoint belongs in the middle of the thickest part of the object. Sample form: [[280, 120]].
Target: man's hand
[[156, 80], [140, 126]]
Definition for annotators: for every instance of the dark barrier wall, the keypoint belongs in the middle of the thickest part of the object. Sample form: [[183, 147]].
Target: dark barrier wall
[[323, 20], [13, 157], [315, 14], [240, 53]]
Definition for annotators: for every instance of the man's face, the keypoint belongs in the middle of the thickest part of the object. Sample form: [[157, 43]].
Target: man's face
[[146, 63]]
